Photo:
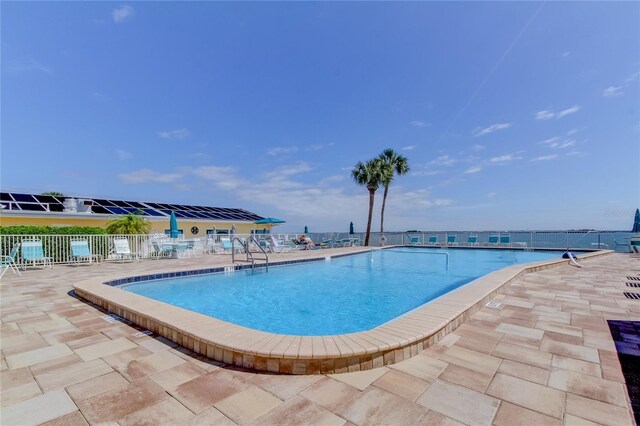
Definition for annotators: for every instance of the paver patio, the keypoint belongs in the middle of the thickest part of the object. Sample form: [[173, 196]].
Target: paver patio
[[544, 356]]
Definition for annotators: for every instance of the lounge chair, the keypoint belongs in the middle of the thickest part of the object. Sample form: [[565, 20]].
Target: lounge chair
[[493, 240], [122, 250], [9, 261], [452, 240], [635, 249], [33, 253], [505, 240], [162, 250], [276, 247], [183, 249], [80, 251], [415, 240], [226, 244], [433, 240], [472, 240]]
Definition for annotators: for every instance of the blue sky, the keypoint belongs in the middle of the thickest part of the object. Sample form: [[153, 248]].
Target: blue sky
[[513, 115]]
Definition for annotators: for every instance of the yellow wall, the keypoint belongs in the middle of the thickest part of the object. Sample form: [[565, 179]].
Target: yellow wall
[[156, 226]]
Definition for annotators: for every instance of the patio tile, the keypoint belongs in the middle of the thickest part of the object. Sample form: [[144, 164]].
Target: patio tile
[[100, 350], [72, 374], [524, 371], [204, 391], [168, 411], [527, 394], [422, 366], [459, 403], [19, 393], [151, 364], [117, 403], [401, 384], [436, 419], [120, 360], [526, 332], [13, 378], [284, 386], [570, 350], [72, 419], [376, 406], [597, 411], [330, 394], [572, 364], [466, 377], [588, 386], [512, 415], [360, 379], [22, 343], [522, 354], [485, 364], [298, 411], [173, 377], [37, 356], [210, 416], [96, 386], [39, 409], [571, 420], [247, 405]]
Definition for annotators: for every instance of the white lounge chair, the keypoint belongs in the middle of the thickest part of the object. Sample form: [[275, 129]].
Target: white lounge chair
[[9, 262], [276, 247], [122, 250]]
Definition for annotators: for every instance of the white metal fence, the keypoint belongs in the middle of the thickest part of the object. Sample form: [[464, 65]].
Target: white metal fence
[[58, 247]]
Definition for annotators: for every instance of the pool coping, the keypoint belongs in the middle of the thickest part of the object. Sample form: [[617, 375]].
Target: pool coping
[[389, 343]]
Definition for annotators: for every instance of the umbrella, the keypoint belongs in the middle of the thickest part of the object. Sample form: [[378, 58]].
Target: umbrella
[[268, 221], [636, 222], [306, 229], [351, 228], [173, 226]]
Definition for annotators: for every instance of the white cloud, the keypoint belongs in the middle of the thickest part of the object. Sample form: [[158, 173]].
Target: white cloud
[[290, 170], [419, 123], [408, 148], [545, 157], [282, 150], [566, 54], [494, 127], [222, 177], [503, 159], [122, 14], [28, 66], [547, 115], [612, 91], [123, 155], [174, 134], [491, 195], [477, 148], [572, 131], [558, 143], [148, 175], [443, 160], [319, 147], [473, 169]]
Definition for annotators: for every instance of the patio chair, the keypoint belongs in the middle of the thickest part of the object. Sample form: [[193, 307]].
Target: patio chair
[[433, 240], [183, 249], [493, 240], [472, 240], [9, 262], [505, 240], [161, 250], [415, 240], [122, 250], [32, 252], [80, 251], [226, 244], [452, 240], [276, 247]]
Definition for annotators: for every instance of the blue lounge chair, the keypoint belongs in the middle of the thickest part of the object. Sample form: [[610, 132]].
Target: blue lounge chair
[[505, 240], [472, 240], [493, 240], [80, 251], [32, 252], [10, 262], [162, 250], [433, 240], [415, 240], [452, 240]]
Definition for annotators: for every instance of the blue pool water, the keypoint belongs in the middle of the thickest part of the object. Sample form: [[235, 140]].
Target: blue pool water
[[343, 295]]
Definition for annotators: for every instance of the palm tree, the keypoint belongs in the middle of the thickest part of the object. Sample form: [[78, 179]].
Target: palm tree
[[133, 223], [392, 164], [369, 174]]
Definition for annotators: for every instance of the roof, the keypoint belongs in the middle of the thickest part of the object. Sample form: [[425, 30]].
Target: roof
[[12, 201]]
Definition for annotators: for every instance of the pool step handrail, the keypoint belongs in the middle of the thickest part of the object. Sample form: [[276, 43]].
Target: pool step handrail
[[572, 260], [245, 248], [266, 256]]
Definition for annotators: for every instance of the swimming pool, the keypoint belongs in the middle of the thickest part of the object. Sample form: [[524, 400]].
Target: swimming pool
[[342, 295]]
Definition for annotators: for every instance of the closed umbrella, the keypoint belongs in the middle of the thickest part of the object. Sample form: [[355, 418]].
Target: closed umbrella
[[351, 228], [306, 229], [173, 226], [636, 222]]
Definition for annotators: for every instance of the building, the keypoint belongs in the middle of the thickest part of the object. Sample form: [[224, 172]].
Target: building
[[48, 210]]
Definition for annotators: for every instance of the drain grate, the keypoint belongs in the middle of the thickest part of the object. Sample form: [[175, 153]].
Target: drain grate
[[634, 278], [635, 296], [633, 284]]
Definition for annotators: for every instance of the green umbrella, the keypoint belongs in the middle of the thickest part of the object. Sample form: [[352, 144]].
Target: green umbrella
[[173, 226], [268, 221], [306, 229], [351, 229], [636, 222]]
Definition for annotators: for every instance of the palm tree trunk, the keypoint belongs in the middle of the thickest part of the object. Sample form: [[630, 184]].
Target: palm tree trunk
[[371, 197], [384, 201]]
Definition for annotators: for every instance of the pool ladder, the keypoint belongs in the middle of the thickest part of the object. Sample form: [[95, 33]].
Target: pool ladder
[[245, 248]]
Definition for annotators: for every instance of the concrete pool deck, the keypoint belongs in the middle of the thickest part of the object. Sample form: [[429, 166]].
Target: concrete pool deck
[[545, 355]]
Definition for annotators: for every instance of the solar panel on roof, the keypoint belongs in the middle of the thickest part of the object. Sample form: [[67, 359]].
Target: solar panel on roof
[[46, 199], [180, 213], [136, 204], [32, 207], [28, 198], [5, 196], [152, 212], [105, 203], [117, 210], [153, 205], [99, 210], [56, 208], [120, 203]]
